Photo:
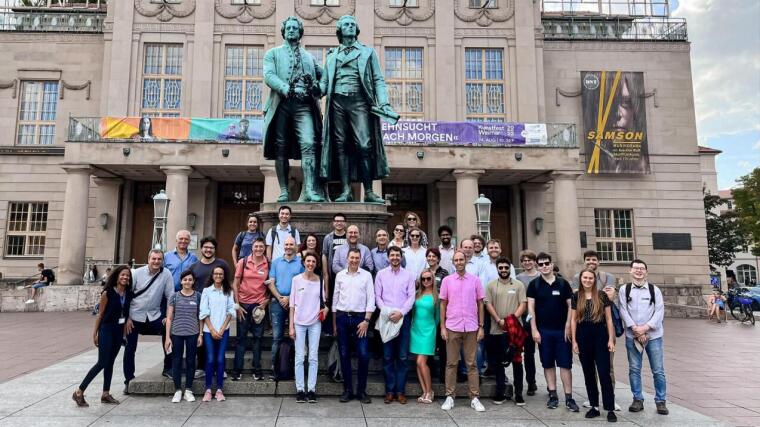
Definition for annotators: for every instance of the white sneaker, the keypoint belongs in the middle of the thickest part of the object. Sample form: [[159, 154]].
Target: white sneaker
[[199, 373], [29, 301], [189, 396], [617, 407], [448, 404], [587, 404], [477, 406], [225, 375], [177, 396]]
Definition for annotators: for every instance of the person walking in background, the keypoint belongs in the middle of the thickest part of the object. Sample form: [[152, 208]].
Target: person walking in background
[[183, 334], [394, 296], [108, 333], [529, 272], [424, 330], [216, 312], [593, 340], [243, 245], [642, 310], [307, 310], [252, 297]]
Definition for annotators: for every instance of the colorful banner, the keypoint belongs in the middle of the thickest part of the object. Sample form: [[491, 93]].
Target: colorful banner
[[615, 122], [249, 130]]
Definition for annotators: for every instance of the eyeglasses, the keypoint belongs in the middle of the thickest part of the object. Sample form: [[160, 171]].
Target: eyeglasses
[[427, 279], [398, 230], [501, 267], [411, 219], [544, 264], [415, 236]]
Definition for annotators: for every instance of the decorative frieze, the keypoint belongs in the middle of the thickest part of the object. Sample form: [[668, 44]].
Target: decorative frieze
[[404, 15], [245, 13], [165, 11], [324, 14], [484, 16]]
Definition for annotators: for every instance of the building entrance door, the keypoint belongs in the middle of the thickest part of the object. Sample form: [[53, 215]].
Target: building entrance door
[[142, 220], [235, 202], [501, 229], [405, 198]]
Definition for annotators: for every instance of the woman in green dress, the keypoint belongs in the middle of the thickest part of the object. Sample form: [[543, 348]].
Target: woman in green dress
[[424, 330]]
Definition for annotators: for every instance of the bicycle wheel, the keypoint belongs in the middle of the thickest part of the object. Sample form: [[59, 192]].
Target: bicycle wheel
[[750, 314], [737, 312]]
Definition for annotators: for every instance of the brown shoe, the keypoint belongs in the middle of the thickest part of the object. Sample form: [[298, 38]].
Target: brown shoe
[[662, 409], [388, 398], [79, 399], [636, 406], [109, 399], [402, 398]]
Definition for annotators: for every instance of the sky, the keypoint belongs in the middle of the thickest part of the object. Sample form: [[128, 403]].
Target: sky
[[725, 64]]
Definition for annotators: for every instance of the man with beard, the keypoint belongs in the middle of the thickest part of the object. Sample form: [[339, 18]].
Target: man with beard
[[446, 248]]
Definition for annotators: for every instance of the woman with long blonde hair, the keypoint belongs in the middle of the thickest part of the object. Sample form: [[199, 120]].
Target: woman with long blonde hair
[[424, 330], [593, 341]]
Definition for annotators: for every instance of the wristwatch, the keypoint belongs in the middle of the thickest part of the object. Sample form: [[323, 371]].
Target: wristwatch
[[366, 320]]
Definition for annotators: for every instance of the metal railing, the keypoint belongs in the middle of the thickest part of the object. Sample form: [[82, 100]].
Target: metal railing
[[595, 28], [61, 16], [607, 7]]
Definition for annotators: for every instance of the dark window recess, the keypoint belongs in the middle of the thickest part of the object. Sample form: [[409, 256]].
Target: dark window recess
[[584, 242], [249, 195], [672, 241]]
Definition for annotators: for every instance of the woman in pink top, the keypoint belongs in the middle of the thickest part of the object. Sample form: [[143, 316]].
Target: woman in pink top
[[307, 310]]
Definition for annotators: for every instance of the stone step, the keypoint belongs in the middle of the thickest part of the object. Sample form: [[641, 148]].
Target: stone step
[[153, 383], [375, 363]]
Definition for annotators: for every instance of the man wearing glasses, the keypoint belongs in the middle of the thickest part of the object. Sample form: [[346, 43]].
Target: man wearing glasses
[[549, 307], [446, 248], [331, 242], [529, 272]]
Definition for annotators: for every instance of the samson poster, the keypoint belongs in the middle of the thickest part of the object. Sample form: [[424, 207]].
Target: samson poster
[[615, 123]]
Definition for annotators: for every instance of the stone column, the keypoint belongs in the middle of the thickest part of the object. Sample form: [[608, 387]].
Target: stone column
[[534, 208], [526, 67], [74, 225], [107, 203], [176, 190], [467, 192], [271, 186], [566, 222]]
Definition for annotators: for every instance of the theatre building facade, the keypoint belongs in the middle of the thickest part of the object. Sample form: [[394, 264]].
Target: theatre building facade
[[576, 119]]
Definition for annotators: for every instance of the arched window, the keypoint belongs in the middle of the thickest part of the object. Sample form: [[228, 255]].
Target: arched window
[[746, 274]]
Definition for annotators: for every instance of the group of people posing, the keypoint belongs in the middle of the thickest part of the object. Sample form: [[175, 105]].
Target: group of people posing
[[463, 304]]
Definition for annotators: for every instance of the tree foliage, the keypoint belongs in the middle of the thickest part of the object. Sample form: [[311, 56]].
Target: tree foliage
[[724, 236], [747, 206]]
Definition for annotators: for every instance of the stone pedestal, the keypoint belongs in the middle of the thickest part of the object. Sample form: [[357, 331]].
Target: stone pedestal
[[317, 218]]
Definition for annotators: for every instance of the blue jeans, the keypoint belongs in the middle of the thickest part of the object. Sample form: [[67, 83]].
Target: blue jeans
[[347, 339], [186, 344], [313, 332], [215, 358], [395, 353], [277, 316], [656, 362], [257, 330]]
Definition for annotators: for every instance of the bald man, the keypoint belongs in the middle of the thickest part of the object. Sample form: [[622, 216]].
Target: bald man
[[340, 259], [180, 259]]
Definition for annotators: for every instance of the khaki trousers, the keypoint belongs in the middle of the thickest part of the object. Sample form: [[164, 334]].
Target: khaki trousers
[[468, 342]]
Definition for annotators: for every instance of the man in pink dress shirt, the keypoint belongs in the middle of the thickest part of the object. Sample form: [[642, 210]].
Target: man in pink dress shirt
[[461, 327], [394, 293]]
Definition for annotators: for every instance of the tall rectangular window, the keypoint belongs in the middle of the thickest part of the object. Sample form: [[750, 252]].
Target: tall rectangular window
[[36, 113], [614, 234], [244, 81], [162, 80], [484, 84], [403, 77], [27, 224]]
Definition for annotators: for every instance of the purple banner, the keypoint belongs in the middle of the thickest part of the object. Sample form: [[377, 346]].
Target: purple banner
[[412, 132]]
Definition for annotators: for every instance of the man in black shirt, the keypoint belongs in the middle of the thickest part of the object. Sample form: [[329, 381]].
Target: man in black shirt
[[46, 278], [549, 307]]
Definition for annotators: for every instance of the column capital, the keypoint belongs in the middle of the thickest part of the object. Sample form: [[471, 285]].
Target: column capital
[[467, 173], [105, 181], [77, 169], [268, 171], [177, 170], [566, 175], [534, 186]]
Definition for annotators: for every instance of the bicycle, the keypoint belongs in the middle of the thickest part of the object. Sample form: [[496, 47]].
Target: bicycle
[[740, 305]]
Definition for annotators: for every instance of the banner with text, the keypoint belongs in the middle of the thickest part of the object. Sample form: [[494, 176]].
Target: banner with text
[[615, 122]]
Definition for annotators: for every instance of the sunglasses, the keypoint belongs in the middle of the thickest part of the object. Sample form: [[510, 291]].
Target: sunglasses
[[544, 264], [398, 230], [427, 279], [414, 235], [411, 219]]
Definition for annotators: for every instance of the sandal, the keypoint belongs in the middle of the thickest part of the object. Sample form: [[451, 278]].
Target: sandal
[[109, 399], [427, 399], [79, 399]]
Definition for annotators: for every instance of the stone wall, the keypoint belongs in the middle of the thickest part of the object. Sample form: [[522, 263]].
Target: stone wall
[[52, 298]]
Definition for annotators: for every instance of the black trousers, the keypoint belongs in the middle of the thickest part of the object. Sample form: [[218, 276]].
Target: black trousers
[[495, 349], [595, 358], [529, 358], [109, 344], [155, 327]]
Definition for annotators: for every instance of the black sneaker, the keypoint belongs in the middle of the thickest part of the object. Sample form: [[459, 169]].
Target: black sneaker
[[498, 399], [553, 402], [532, 389], [364, 398], [510, 392], [611, 417], [593, 413], [166, 374], [346, 396], [258, 376], [571, 405], [311, 397], [236, 377], [519, 401], [301, 397]]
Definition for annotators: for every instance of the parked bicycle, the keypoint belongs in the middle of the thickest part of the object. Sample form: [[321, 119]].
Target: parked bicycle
[[740, 304]]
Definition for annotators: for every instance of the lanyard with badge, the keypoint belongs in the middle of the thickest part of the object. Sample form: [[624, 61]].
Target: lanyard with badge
[[122, 300]]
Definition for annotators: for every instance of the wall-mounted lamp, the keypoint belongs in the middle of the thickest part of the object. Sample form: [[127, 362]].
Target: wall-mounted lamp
[[103, 220], [225, 152], [192, 220], [518, 156], [538, 224], [420, 155], [125, 151]]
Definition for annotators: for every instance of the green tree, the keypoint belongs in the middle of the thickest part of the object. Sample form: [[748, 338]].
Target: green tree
[[747, 206], [724, 238]]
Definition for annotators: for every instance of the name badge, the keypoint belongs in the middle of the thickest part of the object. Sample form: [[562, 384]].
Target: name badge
[[555, 293], [511, 291], [193, 303], [122, 320]]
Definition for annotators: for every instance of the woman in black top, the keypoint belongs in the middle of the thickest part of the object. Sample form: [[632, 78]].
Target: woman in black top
[[433, 256], [109, 332], [593, 341]]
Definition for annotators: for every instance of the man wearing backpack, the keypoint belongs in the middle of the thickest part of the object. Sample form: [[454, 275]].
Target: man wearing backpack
[[47, 277], [642, 310], [275, 238]]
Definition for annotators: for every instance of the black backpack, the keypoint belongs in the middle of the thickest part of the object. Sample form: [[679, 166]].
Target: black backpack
[[286, 360], [628, 287], [276, 236]]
